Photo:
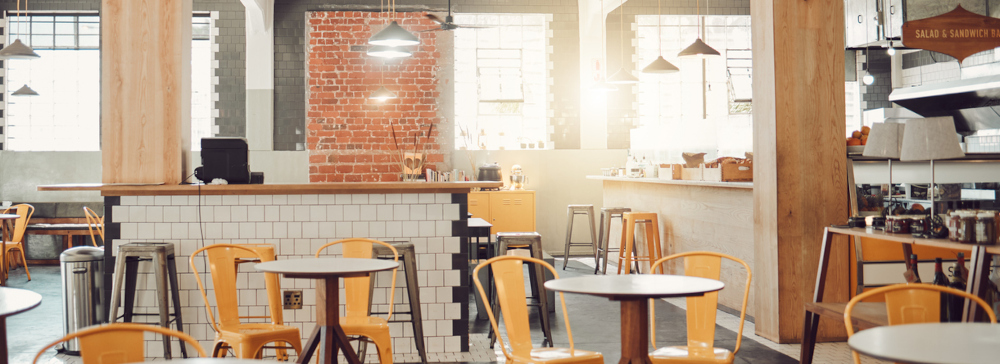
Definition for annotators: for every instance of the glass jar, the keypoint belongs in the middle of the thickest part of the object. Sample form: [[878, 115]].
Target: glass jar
[[986, 233], [953, 222], [919, 224], [967, 227], [898, 224]]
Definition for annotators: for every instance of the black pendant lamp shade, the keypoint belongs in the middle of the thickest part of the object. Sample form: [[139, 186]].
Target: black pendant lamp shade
[[24, 91], [17, 50]]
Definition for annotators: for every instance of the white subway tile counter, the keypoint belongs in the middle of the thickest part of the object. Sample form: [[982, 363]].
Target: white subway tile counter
[[297, 225]]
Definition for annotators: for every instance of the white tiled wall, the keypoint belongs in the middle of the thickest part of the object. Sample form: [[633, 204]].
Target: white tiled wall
[[297, 225]]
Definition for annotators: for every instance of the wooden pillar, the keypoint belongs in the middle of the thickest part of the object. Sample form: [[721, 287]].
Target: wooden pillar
[[145, 89], [799, 159]]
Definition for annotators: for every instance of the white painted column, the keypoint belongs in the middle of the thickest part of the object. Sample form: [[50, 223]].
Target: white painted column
[[260, 73], [593, 104]]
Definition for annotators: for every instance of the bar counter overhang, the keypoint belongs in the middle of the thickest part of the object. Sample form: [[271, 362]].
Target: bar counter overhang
[[297, 219]]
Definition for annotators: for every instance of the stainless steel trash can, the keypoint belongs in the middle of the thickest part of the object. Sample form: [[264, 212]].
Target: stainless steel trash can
[[82, 282]]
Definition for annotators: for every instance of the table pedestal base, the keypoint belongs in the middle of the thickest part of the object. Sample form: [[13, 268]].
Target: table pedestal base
[[328, 336], [635, 331]]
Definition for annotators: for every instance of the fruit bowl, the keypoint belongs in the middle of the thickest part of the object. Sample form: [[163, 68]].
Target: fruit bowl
[[855, 149]]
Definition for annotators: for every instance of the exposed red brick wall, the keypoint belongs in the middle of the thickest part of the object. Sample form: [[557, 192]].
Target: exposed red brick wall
[[348, 136]]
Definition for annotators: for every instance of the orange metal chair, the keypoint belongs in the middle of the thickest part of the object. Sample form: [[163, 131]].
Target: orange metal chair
[[17, 239], [247, 339], [509, 277], [94, 222], [117, 343], [701, 313], [357, 305], [911, 304], [652, 230]]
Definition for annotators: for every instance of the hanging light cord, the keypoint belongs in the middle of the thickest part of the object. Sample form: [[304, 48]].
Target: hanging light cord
[[621, 30], [18, 26]]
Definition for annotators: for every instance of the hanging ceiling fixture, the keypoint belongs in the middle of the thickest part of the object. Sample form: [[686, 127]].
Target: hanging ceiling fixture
[[17, 49], [660, 64], [382, 94], [601, 85], [24, 91], [622, 76], [698, 48], [867, 79], [393, 35], [389, 52]]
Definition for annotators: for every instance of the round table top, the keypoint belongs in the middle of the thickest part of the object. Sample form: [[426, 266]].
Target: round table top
[[9, 216], [325, 267], [636, 286], [951, 343], [15, 300]]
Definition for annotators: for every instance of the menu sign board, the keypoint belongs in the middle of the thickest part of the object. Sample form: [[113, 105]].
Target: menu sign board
[[958, 33]]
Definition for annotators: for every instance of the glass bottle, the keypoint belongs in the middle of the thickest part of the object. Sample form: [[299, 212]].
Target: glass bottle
[[941, 280], [912, 275], [959, 275]]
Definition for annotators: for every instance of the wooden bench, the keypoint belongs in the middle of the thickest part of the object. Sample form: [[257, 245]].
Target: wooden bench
[[67, 227]]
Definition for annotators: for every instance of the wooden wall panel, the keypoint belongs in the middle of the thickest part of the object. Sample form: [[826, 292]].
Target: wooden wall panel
[[800, 176], [146, 89], [695, 218]]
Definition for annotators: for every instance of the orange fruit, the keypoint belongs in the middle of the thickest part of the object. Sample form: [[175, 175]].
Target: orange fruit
[[853, 141], [856, 134], [864, 141], [865, 130]]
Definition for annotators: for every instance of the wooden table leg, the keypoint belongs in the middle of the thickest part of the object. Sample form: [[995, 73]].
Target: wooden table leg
[[3, 340], [811, 324], [635, 331], [330, 336], [3, 259]]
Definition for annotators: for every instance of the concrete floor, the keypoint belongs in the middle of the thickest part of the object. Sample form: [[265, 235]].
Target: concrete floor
[[594, 323]]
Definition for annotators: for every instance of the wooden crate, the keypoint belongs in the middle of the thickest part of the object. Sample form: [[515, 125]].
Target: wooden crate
[[670, 171], [730, 172]]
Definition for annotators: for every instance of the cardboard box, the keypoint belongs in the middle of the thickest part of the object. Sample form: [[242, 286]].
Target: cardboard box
[[670, 171], [729, 172]]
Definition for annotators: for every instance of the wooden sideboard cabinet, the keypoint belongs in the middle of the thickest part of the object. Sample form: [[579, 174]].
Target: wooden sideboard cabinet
[[508, 211]]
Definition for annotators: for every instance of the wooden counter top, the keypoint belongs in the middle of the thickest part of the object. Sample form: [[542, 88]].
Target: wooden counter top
[[273, 189], [747, 185]]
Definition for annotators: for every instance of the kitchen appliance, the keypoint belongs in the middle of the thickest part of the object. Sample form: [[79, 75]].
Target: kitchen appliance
[[973, 103], [517, 178], [227, 159], [490, 172]]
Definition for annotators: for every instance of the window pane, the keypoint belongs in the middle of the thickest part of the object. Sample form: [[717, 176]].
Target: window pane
[[90, 28], [65, 28], [90, 41], [42, 28], [65, 41], [41, 41]]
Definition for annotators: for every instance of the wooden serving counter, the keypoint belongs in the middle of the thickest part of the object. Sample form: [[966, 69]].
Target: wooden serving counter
[[272, 189]]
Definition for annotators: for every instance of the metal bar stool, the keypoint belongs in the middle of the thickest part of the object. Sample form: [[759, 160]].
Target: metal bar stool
[[652, 230], [408, 256], [571, 212], [604, 235], [533, 242], [164, 269]]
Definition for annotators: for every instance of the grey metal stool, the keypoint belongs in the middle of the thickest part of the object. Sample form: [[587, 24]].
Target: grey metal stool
[[533, 242], [408, 256], [571, 212], [604, 244], [164, 269]]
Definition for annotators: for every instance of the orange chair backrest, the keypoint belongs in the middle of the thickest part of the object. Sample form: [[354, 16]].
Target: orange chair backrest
[[911, 303], [508, 276], [24, 212], [701, 311], [264, 253], [94, 222], [221, 260], [117, 343], [357, 302]]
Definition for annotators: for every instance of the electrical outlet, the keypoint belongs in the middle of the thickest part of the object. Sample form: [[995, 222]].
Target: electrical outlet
[[292, 299]]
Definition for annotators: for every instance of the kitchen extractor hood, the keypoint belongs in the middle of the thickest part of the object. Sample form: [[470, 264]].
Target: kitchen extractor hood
[[974, 103]]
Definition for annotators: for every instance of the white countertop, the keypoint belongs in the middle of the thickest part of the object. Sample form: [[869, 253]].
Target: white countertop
[[748, 185]]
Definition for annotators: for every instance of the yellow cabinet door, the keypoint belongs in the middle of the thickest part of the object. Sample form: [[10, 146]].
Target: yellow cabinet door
[[513, 211], [479, 205]]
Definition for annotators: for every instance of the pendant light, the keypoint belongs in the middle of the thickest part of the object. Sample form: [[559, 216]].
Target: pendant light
[[660, 64], [393, 35], [622, 77], [698, 48], [601, 85], [24, 91], [17, 49], [381, 94], [388, 52]]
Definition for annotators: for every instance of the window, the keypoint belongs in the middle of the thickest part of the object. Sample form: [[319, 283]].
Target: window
[[65, 116], [706, 107], [501, 87], [201, 80]]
